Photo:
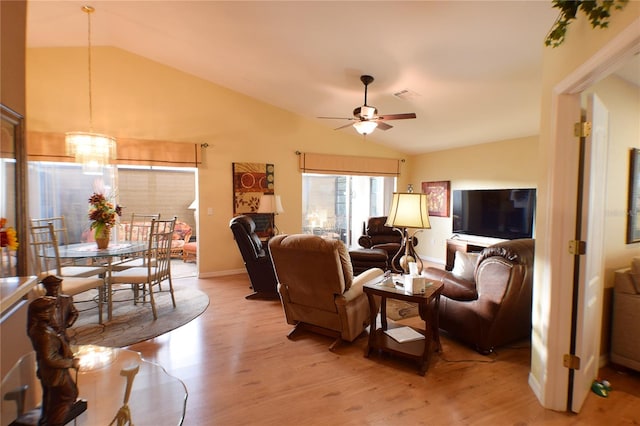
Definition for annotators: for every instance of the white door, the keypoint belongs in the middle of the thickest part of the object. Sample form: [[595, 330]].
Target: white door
[[591, 285]]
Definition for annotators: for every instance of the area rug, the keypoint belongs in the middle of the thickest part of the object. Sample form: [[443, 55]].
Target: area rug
[[399, 309], [134, 323]]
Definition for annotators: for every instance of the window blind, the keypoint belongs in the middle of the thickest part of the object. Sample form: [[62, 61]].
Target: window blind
[[45, 146], [348, 165]]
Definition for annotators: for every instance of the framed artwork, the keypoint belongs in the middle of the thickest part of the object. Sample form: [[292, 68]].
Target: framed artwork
[[250, 181], [439, 195], [633, 206]]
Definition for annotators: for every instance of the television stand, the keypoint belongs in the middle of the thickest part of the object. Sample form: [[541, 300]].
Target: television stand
[[457, 244]]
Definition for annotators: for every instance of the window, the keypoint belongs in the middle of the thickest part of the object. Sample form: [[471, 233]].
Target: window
[[336, 206], [61, 189]]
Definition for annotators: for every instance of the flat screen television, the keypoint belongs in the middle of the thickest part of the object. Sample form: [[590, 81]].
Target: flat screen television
[[497, 213]]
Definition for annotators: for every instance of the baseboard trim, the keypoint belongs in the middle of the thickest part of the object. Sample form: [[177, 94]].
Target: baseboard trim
[[222, 273]]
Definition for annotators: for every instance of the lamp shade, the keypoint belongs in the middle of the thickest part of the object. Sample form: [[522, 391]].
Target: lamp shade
[[270, 203], [409, 210], [365, 127]]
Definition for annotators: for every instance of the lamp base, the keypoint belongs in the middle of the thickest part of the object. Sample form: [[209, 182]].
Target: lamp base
[[404, 262], [407, 254]]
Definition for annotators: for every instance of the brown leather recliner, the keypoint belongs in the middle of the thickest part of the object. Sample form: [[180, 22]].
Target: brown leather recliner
[[317, 287], [256, 258], [377, 235], [494, 308]]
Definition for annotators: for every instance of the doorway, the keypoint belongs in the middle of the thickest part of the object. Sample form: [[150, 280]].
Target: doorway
[[548, 377]]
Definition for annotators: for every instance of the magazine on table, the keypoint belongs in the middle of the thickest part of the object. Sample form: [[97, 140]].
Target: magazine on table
[[404, 334]]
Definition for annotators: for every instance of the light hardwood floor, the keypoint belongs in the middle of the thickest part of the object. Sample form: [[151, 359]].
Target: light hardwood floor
[[240, 369]]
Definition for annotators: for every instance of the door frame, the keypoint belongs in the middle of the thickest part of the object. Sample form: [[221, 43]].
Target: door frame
[[565, 101]]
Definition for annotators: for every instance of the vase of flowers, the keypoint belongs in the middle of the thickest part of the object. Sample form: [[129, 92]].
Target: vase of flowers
[[103, 215]]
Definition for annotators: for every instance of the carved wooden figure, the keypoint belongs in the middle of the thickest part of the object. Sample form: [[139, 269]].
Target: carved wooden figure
[[54, 359]]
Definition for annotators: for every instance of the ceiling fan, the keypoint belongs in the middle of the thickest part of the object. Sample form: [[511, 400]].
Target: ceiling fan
[[365, 116]]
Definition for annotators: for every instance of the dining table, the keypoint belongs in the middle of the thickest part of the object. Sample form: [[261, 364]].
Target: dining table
[[115, 250]]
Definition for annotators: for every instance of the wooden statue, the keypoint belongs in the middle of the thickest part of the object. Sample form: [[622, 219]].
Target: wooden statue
[[54, 359], [66, 313]]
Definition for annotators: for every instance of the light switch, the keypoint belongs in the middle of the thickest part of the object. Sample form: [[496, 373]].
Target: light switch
[[210, 211]]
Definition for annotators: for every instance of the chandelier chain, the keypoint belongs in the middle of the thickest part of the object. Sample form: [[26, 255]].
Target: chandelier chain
[[89, 10]]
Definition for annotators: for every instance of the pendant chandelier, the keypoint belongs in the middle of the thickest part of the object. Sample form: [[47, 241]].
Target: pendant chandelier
[[94, 151]]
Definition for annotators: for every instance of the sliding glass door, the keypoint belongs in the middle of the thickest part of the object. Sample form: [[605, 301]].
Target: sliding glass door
[[337, 206], [61, 189]]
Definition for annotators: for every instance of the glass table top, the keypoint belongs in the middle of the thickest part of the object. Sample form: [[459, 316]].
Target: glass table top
[[156, 398]]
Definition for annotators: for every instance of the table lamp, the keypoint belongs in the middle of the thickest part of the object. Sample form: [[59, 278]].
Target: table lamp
[[408, 210], [272, 205]]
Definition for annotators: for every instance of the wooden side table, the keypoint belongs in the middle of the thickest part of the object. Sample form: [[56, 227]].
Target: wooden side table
[[418, 350]]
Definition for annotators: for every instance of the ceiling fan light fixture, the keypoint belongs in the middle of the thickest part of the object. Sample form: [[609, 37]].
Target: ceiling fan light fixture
[[365, 127]]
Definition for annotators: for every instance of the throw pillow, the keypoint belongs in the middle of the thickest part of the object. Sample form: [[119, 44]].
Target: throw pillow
[[464, 265]]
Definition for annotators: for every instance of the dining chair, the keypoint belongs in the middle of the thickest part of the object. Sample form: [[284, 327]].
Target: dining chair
[[75, 279], [60, 229], [157, 266], [46, 255], [139, 230]]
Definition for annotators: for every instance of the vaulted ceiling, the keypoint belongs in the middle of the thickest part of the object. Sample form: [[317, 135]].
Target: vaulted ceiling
[[470, 70]]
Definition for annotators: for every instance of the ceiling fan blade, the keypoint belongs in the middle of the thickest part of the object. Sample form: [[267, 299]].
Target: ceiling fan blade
[[337, 118], [342, 127], [383, 126], [397, 116]]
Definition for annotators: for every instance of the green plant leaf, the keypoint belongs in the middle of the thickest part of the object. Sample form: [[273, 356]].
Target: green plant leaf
[[597, 11]]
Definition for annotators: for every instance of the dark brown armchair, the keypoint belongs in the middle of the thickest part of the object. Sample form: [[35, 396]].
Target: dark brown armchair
[[375, 235], [256, 258], [492, 306]]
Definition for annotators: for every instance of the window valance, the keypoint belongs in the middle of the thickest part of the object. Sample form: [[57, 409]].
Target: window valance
[[348, 165], [44, 146]]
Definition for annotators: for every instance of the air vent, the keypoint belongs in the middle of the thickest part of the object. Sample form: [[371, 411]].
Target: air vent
[[406, 94]]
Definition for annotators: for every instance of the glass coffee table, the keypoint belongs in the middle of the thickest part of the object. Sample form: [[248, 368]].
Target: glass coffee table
[[415, 343], [156, 397]]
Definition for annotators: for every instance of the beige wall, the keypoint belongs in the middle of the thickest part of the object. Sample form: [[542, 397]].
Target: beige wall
[[13, 15], [622, 100], [138, 98], [504, 164]]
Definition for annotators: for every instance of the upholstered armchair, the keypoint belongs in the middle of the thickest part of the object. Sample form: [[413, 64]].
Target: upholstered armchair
[[375, 235], [317, 287], [625, 326], [256, 258], [181, 236], [486, 300]]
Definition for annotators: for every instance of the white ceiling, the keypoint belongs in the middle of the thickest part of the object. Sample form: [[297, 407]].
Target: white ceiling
[[473, 67]]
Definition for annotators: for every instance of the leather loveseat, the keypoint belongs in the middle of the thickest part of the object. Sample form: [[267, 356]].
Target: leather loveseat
[[492, 305]]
